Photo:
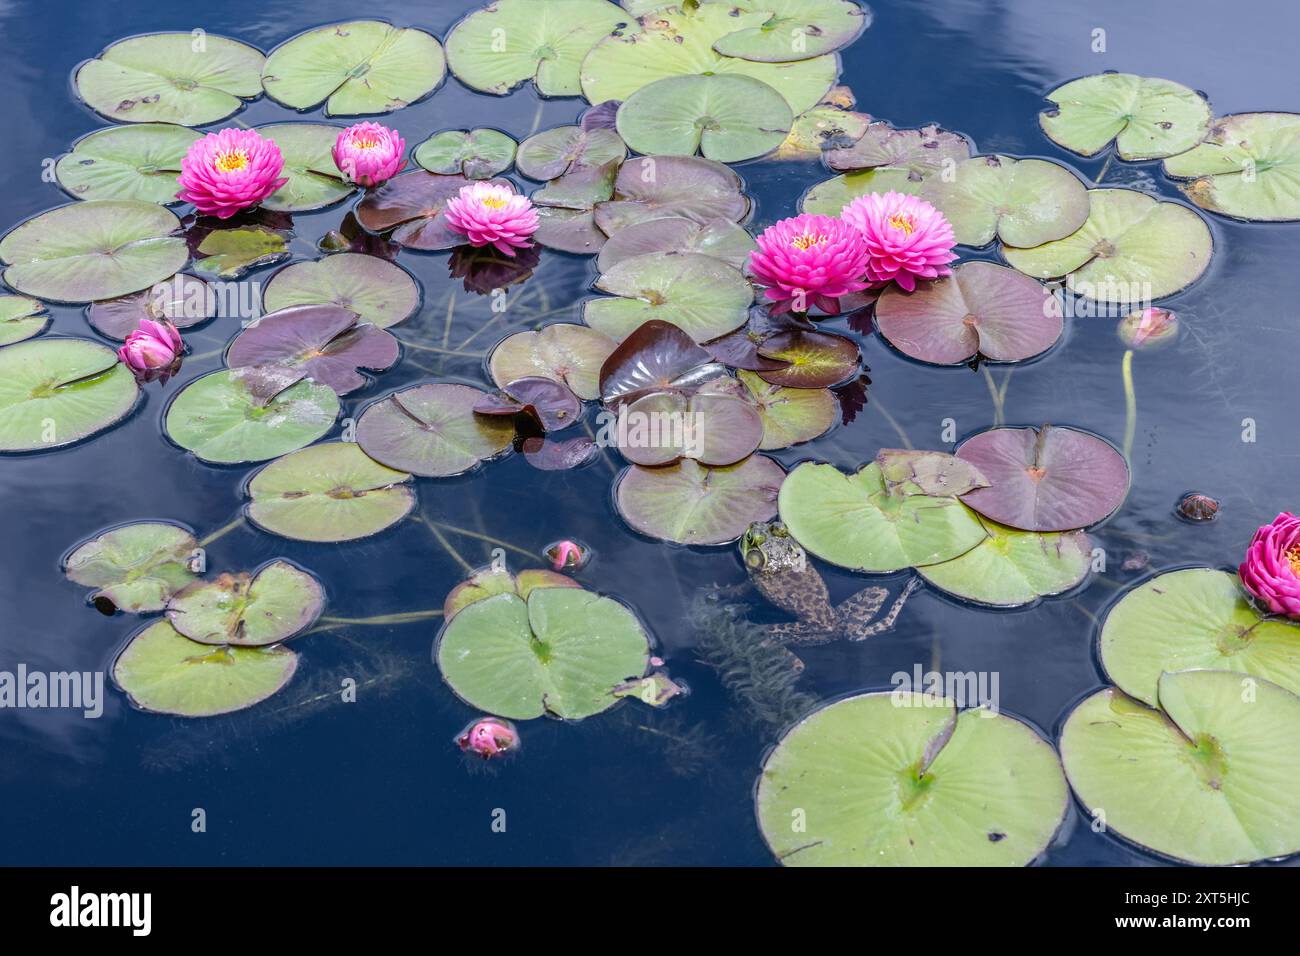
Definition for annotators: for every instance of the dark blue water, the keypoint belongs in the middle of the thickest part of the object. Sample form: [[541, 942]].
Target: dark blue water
[[298, 780]]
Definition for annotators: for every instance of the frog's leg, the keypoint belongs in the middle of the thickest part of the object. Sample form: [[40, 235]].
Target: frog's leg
[[857, 612], [802, 632]]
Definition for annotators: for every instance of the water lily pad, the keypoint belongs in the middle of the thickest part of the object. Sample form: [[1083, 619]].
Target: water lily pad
[[690, 503], [721, 238], [819, 129], [126, 162], [1148, 118], [492, 580], [1194, 619], [378, 291], [566, 209], [657, 356], [219, 419], [136, 566], [1045, 479], [183, 300], [512, 41], [740, 349], [655, 187], [829, 198], [795, 29], [314, 179], [21, 318], [167, 673], [474, 154], [1023, 202], [1213, 777], [728, 118], [362, 67], [553, 152], [699, 294], [324, 343], [277, 602], [711, 428], [1133, 248], [563, 352], [902, 779], [678, 41], [1248, 167], [549, 454], [178, 78], [56, 391], [913, 472], [229, 253], [923, 152], [328, 492], [812, 359], [1011, 568], [98, 249], [432, 431], [550, 404], [562, 652], [981, 309], [411, 205], [856, 522], [790, 415]]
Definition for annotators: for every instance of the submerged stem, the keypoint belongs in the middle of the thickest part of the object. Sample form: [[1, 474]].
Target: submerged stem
[[994, 394], [221, 532], [902, 435], [447, 545], [1130, 404], [482, 537]]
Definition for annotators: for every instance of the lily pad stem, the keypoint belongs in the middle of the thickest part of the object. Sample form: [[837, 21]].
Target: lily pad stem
[[221, 532], [1130, 404]]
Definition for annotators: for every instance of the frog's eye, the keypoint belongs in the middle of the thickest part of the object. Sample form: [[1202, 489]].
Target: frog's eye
[[755, 559]]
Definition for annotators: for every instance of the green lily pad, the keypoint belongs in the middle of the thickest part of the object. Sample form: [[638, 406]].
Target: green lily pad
[[562, 651], [655, 187], [21, 318], [1248, 167], [137, 566], [856, 522], [98, 249], [1011, 568], [1212, 778], [126, 162], [229, 253], [1148, 118], [794, 29], [183, 78], [183, 300], [923, 152], [314, 180], [820, 129], [902, 779], [672, 41], [474, 154], [566, 208], [492, 580], [512, 41], [1023, 202], [727, 118], [277, 602], [166, 673], [690, 503], [56, 391], [328, 492], [829, 198], [378, 291], [357, 68], [554, 152], [790, 416], [699, 294], [928, 472], [1194, 619], [432, 431], [219, 419], [720, 238], [709, 427], [569, 354], [1133, 248]]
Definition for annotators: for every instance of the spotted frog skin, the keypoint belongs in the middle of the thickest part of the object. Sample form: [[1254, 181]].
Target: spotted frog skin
[[779, 568]]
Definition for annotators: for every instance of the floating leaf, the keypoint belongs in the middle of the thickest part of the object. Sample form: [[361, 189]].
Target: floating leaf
[[276, 603], [378, 291], [741, 348], [699, 294], [1048, 479], [790, 416], [1212, 778], [1248, 167], [221, 421], [821, 128], [830, 197], [1148, 118], [564, 149], [432, 431], [136, 566], [725, 118], [654, 187], [690, 503], [474, 154], [412, 205], [600, 116], [183, 300], [548, 402], [927, 472], [162, 78], [565, 209], [1011, 568], [812, 359], [1194, 619], [164, 672], [856, 522], [794, 29], [655, 357], [328, 492], [903, 779], [981, 309], [314, 179], [492, 580], [721, 238], [362, 67], [655, 689], [350, 237], [99, 249], [560, 652], [56, 391], [512, 41], [229, 253], [563, 352], [547, 454], [711, 428], [21, 318], [126, 162], [923, 152]]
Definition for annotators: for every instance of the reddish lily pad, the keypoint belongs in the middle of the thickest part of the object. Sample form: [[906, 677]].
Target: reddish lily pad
[[549, 403], [432, 430], [721, 238], [656, 357], [411, 206], [567, 353], [815, 359], [922, 152], [652, 187], [565, 209], [740, 349], [711, 428], [547, 454], [183, 300]]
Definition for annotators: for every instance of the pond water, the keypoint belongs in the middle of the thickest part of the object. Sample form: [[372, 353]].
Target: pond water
[[300, 780]]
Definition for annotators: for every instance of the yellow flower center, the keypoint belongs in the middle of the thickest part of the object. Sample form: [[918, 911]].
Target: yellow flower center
[[494, 202], [903, 222], [365, 141], [808, 240], [1293, 558], [231, 161]]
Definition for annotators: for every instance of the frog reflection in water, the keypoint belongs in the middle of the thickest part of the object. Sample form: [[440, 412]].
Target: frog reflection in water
[[779, 568]]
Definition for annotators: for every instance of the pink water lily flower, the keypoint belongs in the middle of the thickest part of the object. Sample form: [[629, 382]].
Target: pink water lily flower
[[809, 260], [1271, 571], [492, 214], [153, 350], [230, 170], [369, 153], [907, 238], [489, 737]]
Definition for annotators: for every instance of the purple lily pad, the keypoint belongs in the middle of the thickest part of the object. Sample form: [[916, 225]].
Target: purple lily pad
[[711, 428], [1048, 479], [721, 238], [981, 309], [184, 300], [548, 402], [652, 187], [921, 152], [411, 206], [600, 116], [740, 349], [547, 454], [432, 430], [564, 209], [321, 342], [655, 357], [814, 359]]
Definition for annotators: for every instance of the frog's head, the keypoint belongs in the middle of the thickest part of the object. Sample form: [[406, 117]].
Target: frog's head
[[767, 546]]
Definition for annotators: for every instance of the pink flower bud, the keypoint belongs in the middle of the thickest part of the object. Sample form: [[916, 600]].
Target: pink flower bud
[[489, 737], [153, 349]]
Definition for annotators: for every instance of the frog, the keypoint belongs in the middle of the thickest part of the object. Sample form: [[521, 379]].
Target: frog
[[779, 568]]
